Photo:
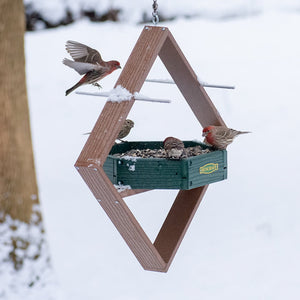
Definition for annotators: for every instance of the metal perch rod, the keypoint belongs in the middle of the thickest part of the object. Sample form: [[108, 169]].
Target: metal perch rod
[[136, 97], [169, 81]]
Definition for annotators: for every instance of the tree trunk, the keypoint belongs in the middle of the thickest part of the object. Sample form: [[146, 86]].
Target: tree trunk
[[18, 188], [24, 260]]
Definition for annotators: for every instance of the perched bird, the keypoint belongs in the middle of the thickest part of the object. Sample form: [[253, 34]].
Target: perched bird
[[88, 61], [128, 124], [173, 147], [220, 136]]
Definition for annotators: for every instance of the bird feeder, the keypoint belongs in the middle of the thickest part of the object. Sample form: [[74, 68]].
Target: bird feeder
[[161, 173], [96, 165]]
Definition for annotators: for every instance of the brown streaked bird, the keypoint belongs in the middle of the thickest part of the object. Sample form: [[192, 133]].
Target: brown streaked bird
[[173, 147], [126, 127], [220, 136], [128, 124], [88, 62]]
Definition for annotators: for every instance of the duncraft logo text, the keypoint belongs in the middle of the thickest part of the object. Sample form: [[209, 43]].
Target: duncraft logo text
[[209, 168]]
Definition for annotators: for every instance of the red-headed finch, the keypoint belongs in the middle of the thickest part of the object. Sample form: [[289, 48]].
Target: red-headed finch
[[173, 147], [88, 61], [220, 136]]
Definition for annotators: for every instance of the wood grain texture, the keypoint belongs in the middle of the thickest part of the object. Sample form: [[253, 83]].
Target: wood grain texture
[[18, 184], [122, 218], [187, 82], [152, 42], [114, 114], [177, 222]]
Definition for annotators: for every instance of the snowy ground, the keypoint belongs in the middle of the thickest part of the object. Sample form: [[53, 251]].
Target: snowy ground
[[244, 240], [134, 11]]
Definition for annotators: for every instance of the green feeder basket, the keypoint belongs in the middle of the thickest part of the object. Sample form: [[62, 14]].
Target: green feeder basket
[[161, 173]]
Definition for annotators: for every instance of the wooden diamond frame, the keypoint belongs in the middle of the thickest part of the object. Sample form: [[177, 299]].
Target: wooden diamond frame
[[157, 256]]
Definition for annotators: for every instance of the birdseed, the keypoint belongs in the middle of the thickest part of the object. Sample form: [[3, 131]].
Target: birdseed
[[161, 153]]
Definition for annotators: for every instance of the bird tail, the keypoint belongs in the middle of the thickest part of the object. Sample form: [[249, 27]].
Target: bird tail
[[243, 132], [73, 88], [78, 84]]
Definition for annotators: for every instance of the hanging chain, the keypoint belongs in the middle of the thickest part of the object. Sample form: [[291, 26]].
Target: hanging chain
[[155, 18]]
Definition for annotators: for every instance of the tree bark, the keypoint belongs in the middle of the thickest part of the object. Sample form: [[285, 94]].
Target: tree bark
[[18, 188], [25, 266]]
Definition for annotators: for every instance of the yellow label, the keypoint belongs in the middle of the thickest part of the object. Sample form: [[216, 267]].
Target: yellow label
[[208, 168]]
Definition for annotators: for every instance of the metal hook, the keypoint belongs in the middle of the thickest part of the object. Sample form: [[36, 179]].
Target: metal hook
[[155, 18]]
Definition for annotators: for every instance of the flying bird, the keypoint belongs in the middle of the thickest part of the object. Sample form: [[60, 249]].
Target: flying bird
[[220, 136], [88, 62]]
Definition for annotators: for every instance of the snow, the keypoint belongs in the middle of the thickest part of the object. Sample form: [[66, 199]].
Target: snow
[[119, 94], [32, 261], [53, 10], [120, 187], [131, 168], [135, 11], [243, 242], [118, 97], [94, 162], [130, 158]]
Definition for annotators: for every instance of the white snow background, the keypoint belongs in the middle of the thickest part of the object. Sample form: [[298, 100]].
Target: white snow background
[[243, 242]]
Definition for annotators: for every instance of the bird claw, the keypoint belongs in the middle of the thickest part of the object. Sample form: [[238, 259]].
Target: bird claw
[[97, 85]]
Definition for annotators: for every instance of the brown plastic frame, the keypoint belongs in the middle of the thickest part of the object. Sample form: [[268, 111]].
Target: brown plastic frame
[[157, 256]]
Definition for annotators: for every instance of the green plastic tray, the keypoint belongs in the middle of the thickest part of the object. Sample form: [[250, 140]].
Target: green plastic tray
[[160, 173]]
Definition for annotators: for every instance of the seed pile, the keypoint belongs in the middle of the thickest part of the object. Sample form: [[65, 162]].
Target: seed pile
[[161, 153]]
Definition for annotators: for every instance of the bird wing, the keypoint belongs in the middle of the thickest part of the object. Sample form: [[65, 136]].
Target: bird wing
[[83, 53], [82, 67], [224, 135]]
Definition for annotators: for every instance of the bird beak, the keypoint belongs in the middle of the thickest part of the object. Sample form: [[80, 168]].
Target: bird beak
[[119, 67]]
